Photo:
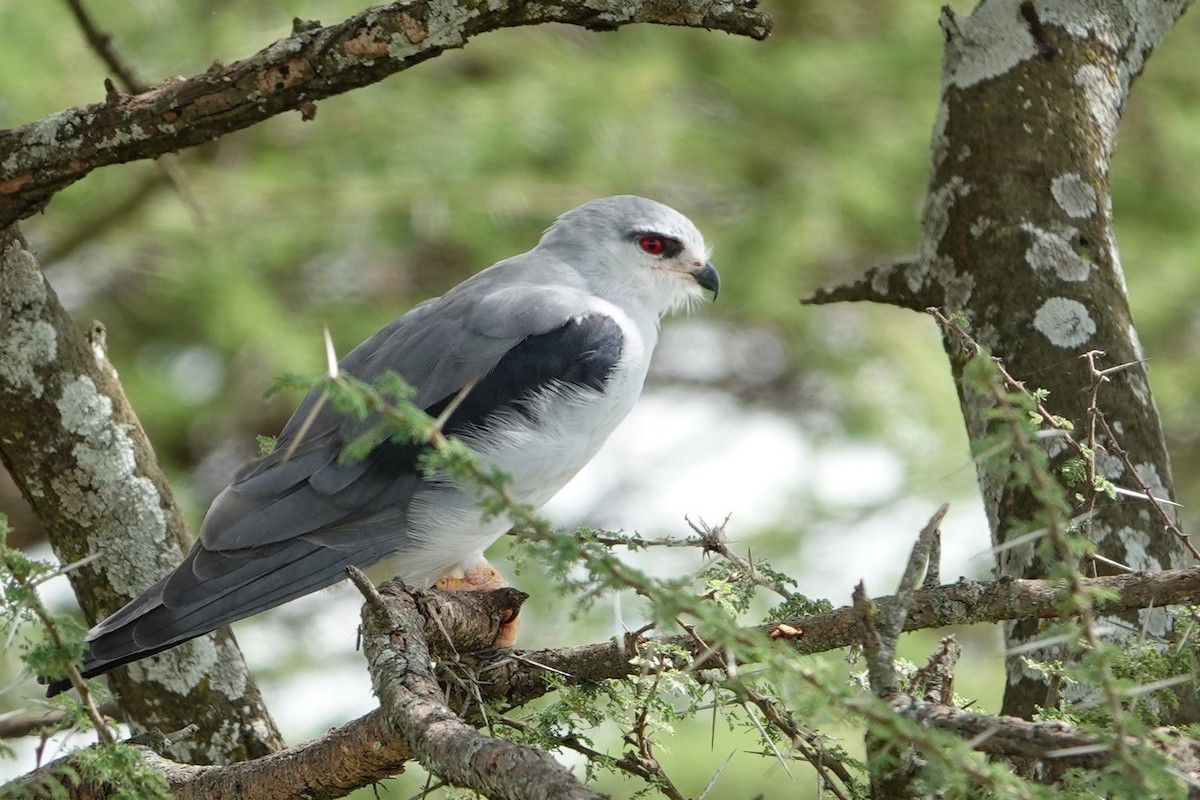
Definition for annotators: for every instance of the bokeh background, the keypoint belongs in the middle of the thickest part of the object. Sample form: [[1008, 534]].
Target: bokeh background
[[827, 434]]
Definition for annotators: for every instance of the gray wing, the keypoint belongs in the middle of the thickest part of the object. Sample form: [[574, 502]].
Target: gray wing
[[438, 348], [285, 528]]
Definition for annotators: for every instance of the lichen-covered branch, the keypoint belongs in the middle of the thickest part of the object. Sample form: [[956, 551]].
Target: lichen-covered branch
[[79, 455], [519, 680], [900, 284], [892, 763], [315, 62]]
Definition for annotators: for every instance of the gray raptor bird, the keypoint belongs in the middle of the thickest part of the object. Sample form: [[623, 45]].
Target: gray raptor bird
[[554, 343]]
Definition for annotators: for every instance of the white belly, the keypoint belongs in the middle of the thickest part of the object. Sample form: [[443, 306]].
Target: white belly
[[447, 532]]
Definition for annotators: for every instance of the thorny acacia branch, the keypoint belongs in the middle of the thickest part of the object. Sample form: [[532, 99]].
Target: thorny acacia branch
[[322, 769], [41, 158]]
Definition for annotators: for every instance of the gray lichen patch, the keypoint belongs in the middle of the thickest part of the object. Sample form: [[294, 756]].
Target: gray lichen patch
[[1051, 252], [1109, 465], [229, 673], [1075, 196], [223, 740], [1135, 544], [935, 222], [1132, 29], [1148, 474], [1065, 322], [23, 285], [445, 27], [43, 137], [122, 509], [179, 669], [1104, 101], [26, 347], [986, 44]]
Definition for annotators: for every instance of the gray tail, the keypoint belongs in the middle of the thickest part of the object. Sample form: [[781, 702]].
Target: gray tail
[[208, 590]]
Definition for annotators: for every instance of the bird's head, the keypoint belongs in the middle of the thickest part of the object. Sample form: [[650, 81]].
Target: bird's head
[[631, 248]]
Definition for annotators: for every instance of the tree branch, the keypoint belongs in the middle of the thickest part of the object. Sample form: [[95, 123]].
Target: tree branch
[[413, 705], [892, 763], [371, 748], [901, 284], [962, 603], [43, 157], [102, 43]]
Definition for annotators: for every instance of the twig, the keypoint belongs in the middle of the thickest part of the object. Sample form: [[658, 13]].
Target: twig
[[14, 726], [370, 593], [714, 540], [882, 625], [85, 228], [102, 44], [934, 682]]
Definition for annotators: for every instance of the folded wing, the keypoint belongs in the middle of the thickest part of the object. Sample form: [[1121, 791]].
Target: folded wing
[[288, 526]]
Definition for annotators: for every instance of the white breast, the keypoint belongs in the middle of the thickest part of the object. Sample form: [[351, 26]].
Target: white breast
[[446, 530]]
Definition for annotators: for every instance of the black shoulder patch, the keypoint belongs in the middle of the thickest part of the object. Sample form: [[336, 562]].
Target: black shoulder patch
[[580, 353]]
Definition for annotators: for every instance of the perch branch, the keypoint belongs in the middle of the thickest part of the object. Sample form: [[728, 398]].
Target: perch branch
[[414, 706], [370, 748]]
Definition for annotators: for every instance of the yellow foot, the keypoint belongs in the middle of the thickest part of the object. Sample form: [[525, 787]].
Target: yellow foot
[[484, 578]]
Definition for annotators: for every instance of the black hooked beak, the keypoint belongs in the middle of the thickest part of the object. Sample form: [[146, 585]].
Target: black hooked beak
[[708, 278]]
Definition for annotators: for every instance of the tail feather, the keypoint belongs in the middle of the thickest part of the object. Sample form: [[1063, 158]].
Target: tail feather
[[158, 620]]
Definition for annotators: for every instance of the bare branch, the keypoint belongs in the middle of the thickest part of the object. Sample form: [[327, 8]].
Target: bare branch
[[883, 624], [888, 284], [43, 157], [14, 726], [893, 763]]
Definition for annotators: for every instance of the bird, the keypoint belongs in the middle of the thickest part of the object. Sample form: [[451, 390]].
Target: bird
[[543, 353]]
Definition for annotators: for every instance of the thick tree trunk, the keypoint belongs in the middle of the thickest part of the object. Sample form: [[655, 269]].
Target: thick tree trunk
[[74, 446], [1019, 233], [1018, 239]]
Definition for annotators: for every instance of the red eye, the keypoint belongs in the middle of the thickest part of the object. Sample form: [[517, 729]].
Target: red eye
[[654, 245]]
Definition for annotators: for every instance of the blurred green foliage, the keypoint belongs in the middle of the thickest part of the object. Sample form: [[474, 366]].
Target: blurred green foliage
[[803, 159]]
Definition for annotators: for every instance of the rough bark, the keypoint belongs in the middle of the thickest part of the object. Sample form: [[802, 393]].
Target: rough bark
[[43, 157], [893, 765], [73, 444], [1018, 238]]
